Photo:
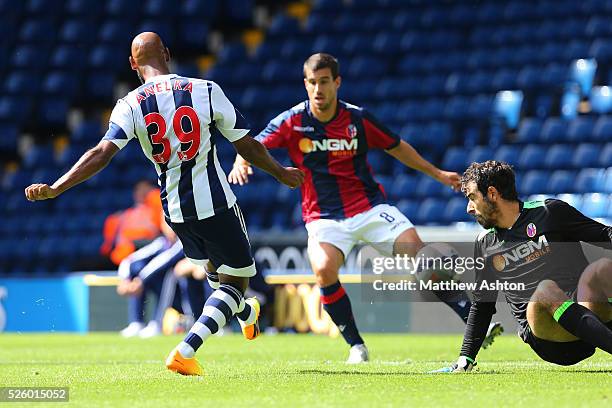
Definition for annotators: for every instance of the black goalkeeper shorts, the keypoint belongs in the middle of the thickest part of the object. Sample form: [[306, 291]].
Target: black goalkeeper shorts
[[567, 353]]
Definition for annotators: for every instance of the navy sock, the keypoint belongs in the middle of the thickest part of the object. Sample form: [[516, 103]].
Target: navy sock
[[337, 304], [456, 300]]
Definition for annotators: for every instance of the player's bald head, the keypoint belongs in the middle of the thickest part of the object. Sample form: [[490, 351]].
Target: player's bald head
[[148, 48]]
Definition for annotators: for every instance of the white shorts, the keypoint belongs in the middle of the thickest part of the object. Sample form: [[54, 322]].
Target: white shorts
[[379, 226]]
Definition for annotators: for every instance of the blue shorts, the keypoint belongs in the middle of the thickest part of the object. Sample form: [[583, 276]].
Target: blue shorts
[[222, 239]]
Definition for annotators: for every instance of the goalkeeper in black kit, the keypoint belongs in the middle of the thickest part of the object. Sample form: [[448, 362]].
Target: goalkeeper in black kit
[[561, 302]]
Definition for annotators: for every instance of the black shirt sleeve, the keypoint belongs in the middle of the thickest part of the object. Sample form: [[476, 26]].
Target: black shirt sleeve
[[576, 226], [482, 310]]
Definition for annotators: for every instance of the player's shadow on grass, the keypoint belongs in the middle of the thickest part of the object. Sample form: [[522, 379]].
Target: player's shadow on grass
[[373, 373]]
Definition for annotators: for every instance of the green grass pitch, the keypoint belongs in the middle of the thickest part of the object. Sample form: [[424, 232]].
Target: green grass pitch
[[297, 371]]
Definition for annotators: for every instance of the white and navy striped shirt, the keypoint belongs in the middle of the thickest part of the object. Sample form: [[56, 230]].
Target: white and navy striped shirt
[[176, 120]]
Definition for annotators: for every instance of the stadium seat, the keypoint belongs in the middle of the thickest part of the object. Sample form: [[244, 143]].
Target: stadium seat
[[77, 31], [553, 131], [202, 10], [558, 156], [561, 181], [605, 157], [160, 9], [480, 154], [456, 211], [535, 182], [115, 32], [590, 181], [431, 211], [532, 157], [455, 159], [508, 154], [404, 186], [15, 109], [586, 155], [428, 187], [53, 112], [123, 8], [603, 129], [595, 205], [529, 130], [83, 7], [37, 31], [580, 129], [22, 82]]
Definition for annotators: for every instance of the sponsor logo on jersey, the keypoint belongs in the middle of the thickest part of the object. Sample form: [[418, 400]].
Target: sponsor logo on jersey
[[351, 131], [531, 230], [338, 147], [522, 254], [303, 128]]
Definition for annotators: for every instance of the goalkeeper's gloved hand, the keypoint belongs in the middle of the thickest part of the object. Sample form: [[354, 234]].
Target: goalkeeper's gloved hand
[[463, 365]]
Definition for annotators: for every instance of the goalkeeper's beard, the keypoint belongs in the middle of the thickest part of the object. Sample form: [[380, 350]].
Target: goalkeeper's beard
[[489, 215]]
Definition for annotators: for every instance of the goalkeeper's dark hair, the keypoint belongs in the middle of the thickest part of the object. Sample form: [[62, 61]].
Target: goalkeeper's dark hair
[[491, 173]]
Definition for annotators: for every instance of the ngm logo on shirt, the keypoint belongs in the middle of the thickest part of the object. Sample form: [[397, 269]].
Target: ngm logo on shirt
[[338, 147], [522, 254]]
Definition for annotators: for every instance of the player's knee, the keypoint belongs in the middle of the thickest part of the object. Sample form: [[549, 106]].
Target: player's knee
[[239, 282], [326, 275], [546, 290]]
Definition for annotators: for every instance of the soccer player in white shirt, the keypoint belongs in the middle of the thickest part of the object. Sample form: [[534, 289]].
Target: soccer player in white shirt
[[176, 121]]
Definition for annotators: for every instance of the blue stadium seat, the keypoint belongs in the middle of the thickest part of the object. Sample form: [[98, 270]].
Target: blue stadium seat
[[404, 186], [590, 181], [160, 9], [601, 99], [595, 205], [99, 84], [22, 82], [529, 78], [580, 129], [53, 112], [601, 50], [508, 154], [60, 83], [455, 159], [83, 7], [116, 32], [586, 155], [480, 154], [77, 31], [194, 34], [366, 67], [456, 211], [123, 8], [558, 157], [608, 181], [15, 109], [428, 187], [203, 10], [44, 7], [39, 31], [30, 57], [605, 157], [9, 133], [570, 101], [68, 58], [561, 181], [283, 24], [431, 211], [529, 130], [535, 182], [603, 129], [39, 156], [104, 57], [532, 157], [553, 131], [162, 27]]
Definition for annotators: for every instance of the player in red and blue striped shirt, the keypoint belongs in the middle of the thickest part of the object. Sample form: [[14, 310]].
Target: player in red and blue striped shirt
[[342, 204]]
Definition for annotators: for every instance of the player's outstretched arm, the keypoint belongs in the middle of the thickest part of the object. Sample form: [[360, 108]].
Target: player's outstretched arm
[[407, 154], [257, 154], [240, 172], [88, 165]]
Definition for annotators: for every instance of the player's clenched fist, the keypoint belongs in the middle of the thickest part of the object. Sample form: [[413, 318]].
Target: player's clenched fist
[[292, 177], [37, 192]]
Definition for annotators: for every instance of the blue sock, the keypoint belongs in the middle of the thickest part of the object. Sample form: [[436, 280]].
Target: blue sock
[[456, 300], [136, 308], [337, 304]]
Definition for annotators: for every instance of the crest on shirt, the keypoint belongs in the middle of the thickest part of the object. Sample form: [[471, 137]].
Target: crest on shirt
[[351, 131], [531, 230]]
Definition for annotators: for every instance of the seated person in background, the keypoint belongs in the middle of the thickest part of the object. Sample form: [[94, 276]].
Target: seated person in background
[[149, 271], [130, 229]]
